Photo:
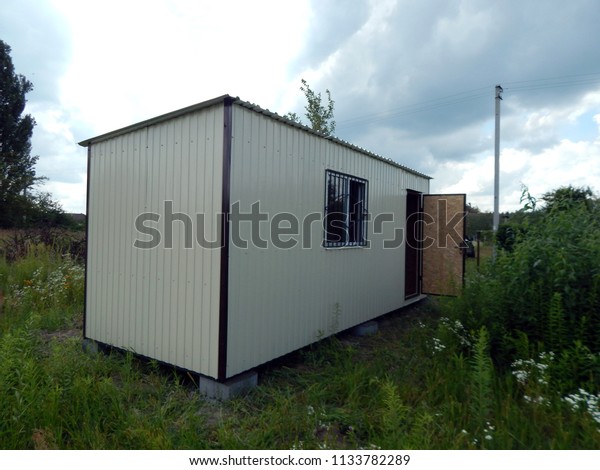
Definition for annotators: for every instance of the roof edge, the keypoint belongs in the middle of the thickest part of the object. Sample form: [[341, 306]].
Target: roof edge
[[252, 107], [156, 120], [337, 140]]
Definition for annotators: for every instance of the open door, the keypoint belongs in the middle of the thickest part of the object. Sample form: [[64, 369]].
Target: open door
[[412, 268], [443, 243]]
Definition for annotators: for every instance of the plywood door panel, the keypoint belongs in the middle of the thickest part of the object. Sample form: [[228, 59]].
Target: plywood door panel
[[443, 243]]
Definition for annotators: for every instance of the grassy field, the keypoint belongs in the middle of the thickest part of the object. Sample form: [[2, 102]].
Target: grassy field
[[422, 382]]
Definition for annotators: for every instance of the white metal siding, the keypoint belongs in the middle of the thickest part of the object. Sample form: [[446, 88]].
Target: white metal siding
[[161, 303], [283, 299]]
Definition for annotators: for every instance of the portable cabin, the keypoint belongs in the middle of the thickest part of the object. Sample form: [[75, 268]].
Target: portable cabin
[[222, 236]]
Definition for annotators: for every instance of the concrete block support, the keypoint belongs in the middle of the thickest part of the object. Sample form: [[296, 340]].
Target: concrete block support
[[366, 329], [90, 346], [230, 388]]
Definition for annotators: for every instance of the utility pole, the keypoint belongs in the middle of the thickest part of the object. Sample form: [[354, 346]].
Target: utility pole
[[496, 219]]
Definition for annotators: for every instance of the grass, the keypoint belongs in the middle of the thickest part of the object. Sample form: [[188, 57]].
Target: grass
[[422, 382], [485, 253]]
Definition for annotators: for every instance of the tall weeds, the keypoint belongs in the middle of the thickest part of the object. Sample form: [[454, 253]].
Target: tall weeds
[[52, 395], [547, 287], [510, 364], [482, 374], [556, 331], [538, 303]]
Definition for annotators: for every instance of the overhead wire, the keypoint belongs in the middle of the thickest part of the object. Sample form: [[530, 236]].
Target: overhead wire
[[560, 77], [545, 86], [419, 107], [471, 95]]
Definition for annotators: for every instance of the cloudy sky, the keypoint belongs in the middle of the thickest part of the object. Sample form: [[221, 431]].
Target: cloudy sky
[[412, 80]]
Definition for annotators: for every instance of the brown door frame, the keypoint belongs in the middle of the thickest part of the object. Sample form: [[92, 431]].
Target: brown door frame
[[413, 245]]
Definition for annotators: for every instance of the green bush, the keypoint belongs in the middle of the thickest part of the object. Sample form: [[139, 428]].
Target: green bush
[[546, 287], [508, 234]]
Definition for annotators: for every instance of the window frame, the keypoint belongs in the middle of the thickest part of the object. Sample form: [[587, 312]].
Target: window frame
[[351, 194]]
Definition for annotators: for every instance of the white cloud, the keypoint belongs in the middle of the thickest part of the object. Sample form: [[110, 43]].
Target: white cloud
[[139, 59], [69, 194], [134, 60], [567, 163], [61, 160], [401, 67], [514, 160]]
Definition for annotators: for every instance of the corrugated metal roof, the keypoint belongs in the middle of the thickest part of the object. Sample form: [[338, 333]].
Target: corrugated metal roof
[[253, 107], [155, 120]]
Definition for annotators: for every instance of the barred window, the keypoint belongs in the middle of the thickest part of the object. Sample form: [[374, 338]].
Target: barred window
[[345, 215]]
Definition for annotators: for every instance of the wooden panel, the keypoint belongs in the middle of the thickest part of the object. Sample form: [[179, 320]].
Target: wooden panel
[[443, 241]]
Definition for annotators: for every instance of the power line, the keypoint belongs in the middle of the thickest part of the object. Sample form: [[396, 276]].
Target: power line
[[422, 106], [416, 105], [471, 95], [545, 86], [560, 77]]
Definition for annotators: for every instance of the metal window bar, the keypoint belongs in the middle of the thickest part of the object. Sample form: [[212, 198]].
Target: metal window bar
[[345, 222]]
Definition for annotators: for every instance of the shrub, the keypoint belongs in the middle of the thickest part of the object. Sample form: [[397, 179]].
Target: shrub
[[547, 287], [19, 243]]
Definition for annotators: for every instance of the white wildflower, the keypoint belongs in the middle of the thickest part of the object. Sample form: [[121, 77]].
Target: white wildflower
[[438, 346], [536, 400], [585, 401], [371, 447], [300, 446]]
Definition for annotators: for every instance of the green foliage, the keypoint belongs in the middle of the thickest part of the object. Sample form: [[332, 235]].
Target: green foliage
[[539, 302], [568, 197], [556, 331], [508, 234], [293, 117], [21, 206], [575, 367], [43, 211], [481, 378], [423, 382], [319, 115], [16, 165], [18, 244], [516, 226], [394, 413], [528, 199], [17, 172], [54, 396], [478, 222], [546, 287]]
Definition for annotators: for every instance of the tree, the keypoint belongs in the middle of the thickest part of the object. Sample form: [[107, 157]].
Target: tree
[[17, 166], [472, 209], [319, 115], [567, 197]]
